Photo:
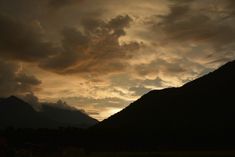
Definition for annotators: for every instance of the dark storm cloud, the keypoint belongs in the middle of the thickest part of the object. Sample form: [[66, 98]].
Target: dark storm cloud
[[22, 41], [93, 48], [13, 81], [96, 49], [73, 41]]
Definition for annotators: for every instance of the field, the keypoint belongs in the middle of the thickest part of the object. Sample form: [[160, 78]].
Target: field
[[73, 152]]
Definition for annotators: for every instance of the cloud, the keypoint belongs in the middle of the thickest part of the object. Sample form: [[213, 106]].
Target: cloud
[[31, 99], [95, 50], [99, 102], [60, 104], [156, 83], [13, 81], [98, 108], [21, 41], [162, 73], [38, 105], [160, 66], [197, 24], [80, 51], [62, 3], [37, 8], [139, 90], [186, 42]]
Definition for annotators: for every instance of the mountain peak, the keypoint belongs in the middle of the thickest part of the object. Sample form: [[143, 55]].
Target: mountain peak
[[15, 112], [13, 98]]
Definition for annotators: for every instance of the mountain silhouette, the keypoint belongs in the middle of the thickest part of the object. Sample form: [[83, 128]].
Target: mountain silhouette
[[201, 113], [73, 117], [14, 112]]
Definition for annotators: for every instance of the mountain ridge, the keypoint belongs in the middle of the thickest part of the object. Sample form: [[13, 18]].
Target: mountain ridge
[[15, 112], [225, 68], [199, 112]]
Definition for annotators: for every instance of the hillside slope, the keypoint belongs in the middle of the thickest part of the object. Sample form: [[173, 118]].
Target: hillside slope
[[200, 112]]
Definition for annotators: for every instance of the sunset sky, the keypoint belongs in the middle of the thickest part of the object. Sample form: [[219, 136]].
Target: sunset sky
[[100, 55]]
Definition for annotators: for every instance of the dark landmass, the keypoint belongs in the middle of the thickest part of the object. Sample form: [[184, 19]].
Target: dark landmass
[[73, 118], [200, 114], [16, 113]]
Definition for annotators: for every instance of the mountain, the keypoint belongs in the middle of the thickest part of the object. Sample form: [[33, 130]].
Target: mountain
[[14, 112], [201, 113], [68, 116]]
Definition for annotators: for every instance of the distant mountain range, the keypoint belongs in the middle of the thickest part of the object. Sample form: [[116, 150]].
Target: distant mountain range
[[14, 112], [201, 112]]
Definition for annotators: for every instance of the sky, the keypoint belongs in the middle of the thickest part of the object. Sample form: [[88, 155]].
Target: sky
[[101, 55]]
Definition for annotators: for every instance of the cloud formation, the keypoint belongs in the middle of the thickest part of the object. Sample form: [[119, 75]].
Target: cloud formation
[[15, 82], [198, 25], [62, 3], [21, 41], [96, 49], [98, 108]]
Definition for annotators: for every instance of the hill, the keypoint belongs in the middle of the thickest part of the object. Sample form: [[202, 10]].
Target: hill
[[200, 113]]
